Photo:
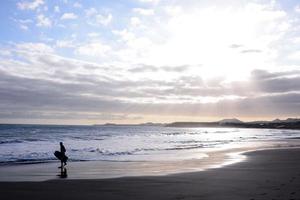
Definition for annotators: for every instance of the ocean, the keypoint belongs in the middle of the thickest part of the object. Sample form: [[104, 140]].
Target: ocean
[[23, 144]]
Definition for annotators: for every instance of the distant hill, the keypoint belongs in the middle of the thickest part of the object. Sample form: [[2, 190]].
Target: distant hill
[[233, 120], [290, 123], [151, 124], [193, 124], [142, 124]]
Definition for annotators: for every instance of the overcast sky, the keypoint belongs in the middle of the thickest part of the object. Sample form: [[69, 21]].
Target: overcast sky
[[132, 61]]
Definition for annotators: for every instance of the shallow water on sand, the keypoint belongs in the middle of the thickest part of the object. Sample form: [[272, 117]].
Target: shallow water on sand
[[36, 143], [214, 158]]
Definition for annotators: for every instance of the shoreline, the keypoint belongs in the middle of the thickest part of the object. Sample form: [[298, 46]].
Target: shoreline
[[265, 174], [114, 169]]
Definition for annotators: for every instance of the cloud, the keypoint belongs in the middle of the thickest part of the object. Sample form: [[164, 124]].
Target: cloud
[[295, 55], [65, 44], [95, 18], [235, 46], [56, 9], [297, 8], [35, 47], [103, 19], [143, 11], [52, 97], [5, 52], [180, 59], [23, 27], [143, 68], [43, 21], [150, 68], [263, 74], [173, 10], [251, 51], [48, 86], [23, 23], [62, 115], [180, 68], [68, 16], [30, 5], [93, 35], [150, 1], [135, 21], [90, 12], [95, 48], [77, 5], [276, 82]]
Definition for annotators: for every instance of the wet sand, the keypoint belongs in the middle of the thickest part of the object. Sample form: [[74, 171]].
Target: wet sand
[[266, 174]]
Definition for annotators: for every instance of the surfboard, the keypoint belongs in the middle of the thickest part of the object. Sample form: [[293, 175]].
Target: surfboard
[[61, 156]]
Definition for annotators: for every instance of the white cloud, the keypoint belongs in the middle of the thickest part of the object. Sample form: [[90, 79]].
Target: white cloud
[[143, 11], [124, 34], [297, 8], [64, 44], [197, 34], [34, 47], [95, 18], [43, 21], [93, 34], [135, 21], [56, 9], [295, 56], [5, 52], [93, 48], [135, 47], [295, 40], [32, 5], [173, 10], [202, 34], [149, 1], [67, 16], [23, 23], [90, 12], [23, 27], [77, 5], [104, 19]]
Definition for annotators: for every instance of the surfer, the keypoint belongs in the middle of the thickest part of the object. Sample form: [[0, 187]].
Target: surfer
[[61, 155]]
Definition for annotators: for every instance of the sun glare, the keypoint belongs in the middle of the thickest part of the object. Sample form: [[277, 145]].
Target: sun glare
[[224, 41]]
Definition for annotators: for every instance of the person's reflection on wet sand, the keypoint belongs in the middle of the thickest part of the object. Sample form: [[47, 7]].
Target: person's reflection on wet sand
[[63, 173]]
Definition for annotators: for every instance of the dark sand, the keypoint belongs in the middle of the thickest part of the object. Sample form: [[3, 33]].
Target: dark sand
[[267, 174]]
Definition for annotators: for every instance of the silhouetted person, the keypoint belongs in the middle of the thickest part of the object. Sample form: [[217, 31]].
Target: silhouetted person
[[63, 153]]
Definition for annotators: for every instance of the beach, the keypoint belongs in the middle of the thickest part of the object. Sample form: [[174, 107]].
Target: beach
[[150, 100], [264, 174]]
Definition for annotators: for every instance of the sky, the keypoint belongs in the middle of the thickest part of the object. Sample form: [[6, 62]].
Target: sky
[[134, 61]]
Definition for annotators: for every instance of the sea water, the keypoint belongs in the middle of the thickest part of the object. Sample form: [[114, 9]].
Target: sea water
[[36, 143]]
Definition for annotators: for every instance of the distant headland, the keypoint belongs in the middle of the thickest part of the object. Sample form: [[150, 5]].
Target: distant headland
[[289, 123]]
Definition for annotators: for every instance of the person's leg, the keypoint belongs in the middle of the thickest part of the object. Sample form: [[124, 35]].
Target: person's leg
[[65, 159]]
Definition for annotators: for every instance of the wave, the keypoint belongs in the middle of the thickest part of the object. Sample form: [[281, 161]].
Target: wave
[[26, 161], [11, 141], [185, 133], [186, 147], [119, 153]]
